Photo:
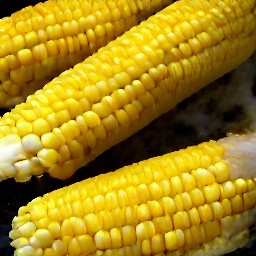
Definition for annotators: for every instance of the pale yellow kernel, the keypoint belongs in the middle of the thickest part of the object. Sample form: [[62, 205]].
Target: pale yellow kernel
[[197, 197], [47, 157], [227, 190], [19, 242], [128, 234], [205, 212], [40, 126], [145, 230], [188, 182], [203, 177], [237, 204], [93, 223], [143, 212], [31, 143], [240, 186], [102, 240], [116, 238], [168, 205], [27, 229], [41, 239], [212, 192]]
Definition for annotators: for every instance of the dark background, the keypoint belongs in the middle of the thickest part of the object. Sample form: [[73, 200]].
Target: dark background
[[170, 132]]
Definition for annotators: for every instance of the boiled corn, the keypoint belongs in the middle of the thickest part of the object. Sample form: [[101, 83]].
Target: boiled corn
[[38, 43], [124, 86], [197, 201]]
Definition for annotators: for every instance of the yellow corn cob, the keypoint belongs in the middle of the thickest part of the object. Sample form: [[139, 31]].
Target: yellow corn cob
[[124, 86], [196, 201], [38, 43]]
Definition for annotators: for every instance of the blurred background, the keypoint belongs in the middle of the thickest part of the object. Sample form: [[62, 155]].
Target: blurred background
[[226, 106]]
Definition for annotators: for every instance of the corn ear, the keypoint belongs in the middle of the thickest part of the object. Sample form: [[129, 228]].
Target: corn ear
[[124, 86], [39, 42], [190, 202]]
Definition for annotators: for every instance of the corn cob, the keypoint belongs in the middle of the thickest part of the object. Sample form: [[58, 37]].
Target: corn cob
[[37, 43], [124, 86], [196, 201]]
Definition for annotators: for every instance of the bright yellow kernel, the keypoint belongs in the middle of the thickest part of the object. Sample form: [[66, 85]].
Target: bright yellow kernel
[[240, 186], [25, 57], [156, 209], [93, 223], [205, 212], [158, 243], [174, 239], [128, 234], [102, 240], [203, 177], [92, 119], [188, 182], [146, 247], [162, 224], [23, 128], [40, 52], [116, 238], [218, 210], [220, 171], [73, 247], [47, 157], [197, 234], [31, 39], [51, 140], [145, 230], [176, 185], [197, 197], [212, 192], [194, 216], [168, 205], [237, 204], [40, 126], [143, 212], [19, 42], [227, 190], [211, 230]]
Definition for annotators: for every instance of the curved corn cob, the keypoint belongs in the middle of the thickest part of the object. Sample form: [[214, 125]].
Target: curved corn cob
[[38, 43], [124, 86], [197, 201]]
